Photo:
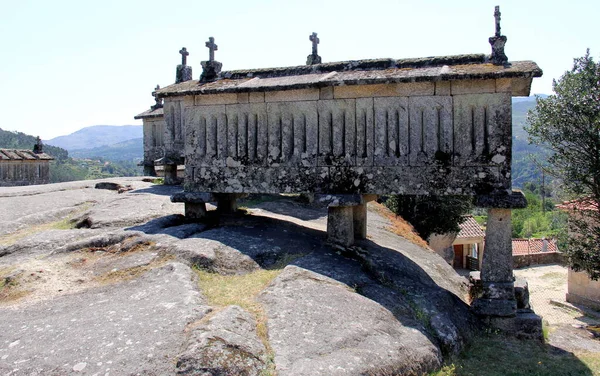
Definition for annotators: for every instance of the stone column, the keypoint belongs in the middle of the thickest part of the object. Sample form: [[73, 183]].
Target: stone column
[[360, 221], [340, 225], [498, 297], [149, 170], [170, 174], [227, 202], [195, 210]]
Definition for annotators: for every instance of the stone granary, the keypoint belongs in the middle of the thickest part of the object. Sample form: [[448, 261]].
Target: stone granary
[[154, 140], [349, 131], [24, 167], [164, 136]]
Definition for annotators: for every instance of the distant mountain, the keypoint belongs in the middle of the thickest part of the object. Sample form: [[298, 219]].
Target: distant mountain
[[130, 150], [96, 136]]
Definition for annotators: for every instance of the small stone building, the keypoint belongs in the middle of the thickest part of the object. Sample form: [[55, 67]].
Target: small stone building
[[154, 140], [581, 289], [24, 167], [468, 245]]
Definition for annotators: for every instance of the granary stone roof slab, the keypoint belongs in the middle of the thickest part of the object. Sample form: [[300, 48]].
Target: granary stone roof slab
[[358, 72], [20, 155], [151, 113]]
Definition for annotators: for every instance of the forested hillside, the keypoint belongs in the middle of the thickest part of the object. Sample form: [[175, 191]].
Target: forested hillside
[[525, 168]]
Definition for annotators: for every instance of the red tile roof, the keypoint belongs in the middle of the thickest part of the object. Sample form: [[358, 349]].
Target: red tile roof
[[470, 229], [531, 246], [579, 204]]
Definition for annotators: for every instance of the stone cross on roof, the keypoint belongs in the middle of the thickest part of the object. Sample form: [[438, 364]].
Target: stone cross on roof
[[497, 17], [184, 54], [212, 47], [313, 58], [315, 41], [498, 41], [38, 148], [158, 100]]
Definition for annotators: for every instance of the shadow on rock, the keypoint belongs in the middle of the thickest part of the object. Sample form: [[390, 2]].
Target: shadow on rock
[[159, 189]]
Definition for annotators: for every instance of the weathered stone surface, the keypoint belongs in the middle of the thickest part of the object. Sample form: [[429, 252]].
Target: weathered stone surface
[[212, 255], [354, 335], [522, 293], [408, 299], [104, 329], [226, 344]]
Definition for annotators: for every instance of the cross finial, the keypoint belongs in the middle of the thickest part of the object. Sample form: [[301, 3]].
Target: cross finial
[[184, 54], [497, 17], [156, 98], [212, 47], [38, 148], [315, 41]]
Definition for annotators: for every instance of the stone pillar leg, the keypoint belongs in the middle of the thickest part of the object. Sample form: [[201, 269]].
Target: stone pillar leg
[[195, 210], [227, 203], [340, 225], [360, 221], [149, 170], [498, 297], [171, 174]]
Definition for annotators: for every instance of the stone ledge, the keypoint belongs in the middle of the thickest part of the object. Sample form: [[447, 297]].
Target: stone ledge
[[513, 200], [336, 200], [193, 197]]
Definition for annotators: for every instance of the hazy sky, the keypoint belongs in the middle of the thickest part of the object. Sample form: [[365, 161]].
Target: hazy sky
[[65, 65]]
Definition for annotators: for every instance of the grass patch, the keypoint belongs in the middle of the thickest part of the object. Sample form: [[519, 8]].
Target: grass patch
[[241, 290], [480, 219], [496, 355], [158, 181], [400, 227], [10, 290]]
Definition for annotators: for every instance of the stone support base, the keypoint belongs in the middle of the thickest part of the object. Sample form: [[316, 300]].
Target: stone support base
[[195, 210], [171, 175], [495, 307], [340, 225], [347, 217], [359, 213], [525, 325]]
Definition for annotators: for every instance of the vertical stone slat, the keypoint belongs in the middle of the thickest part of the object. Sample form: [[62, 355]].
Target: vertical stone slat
[[391, 112]]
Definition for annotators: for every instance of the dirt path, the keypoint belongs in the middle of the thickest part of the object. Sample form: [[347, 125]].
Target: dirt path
[[566, 326]]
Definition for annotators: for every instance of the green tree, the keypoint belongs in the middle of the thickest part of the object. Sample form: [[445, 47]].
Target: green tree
[[431, 214], [568, 124]]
